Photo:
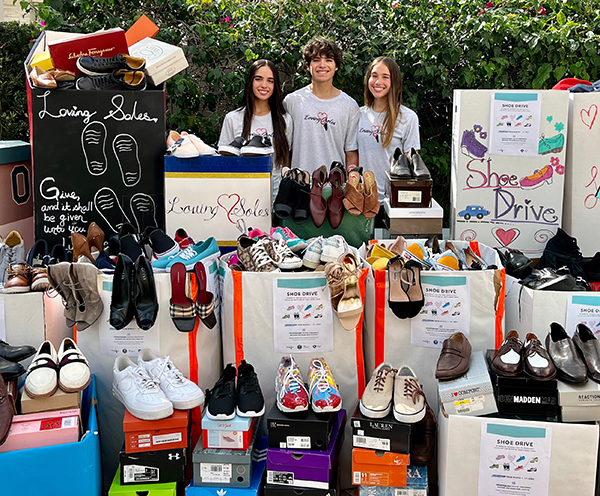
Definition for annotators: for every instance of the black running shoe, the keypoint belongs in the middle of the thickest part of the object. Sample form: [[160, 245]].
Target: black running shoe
[[249, 397], [97, 66], [121, 79], [221, 403]]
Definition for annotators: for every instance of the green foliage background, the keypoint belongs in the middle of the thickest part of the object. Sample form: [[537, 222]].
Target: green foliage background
[[440, 45]]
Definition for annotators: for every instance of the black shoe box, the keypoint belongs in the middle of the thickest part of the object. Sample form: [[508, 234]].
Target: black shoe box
[[282, 490], [522, 395], [153, 466], [385, 434], [304, 430]]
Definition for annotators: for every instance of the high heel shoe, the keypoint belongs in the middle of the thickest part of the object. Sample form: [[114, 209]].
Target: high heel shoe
[[95, 238], [121, 304], [81, 248], [318, 205], [371, 197], [414, 289], [354, 198], [335, 204], [146, 302], [398, 299], [350, 306]]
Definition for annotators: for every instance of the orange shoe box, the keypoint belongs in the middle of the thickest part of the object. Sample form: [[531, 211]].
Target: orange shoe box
[[378, 468], [142, 28], [152, 435]]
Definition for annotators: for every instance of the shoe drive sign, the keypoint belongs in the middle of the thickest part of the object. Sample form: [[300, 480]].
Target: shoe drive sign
[[508, 167]]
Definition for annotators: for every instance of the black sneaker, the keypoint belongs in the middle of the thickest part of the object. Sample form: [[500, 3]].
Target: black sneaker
[[549, 280], [121, 79], [561, 250], [249, 397], [232, 148], [162, 244], [258, 145], [285, 199], [221, 403], [97, 66]]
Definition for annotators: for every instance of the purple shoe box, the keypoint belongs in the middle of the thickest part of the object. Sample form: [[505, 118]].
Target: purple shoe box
[[306, 468]]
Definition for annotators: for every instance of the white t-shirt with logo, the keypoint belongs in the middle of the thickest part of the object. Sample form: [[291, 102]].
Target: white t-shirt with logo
[[261, 125], [323, 129], [371, 154]]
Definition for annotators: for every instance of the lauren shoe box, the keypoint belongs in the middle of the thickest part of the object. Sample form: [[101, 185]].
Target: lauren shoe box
[[416, 485], [163, 489], [579, 402], [305, 430], [162, 59], [301, 468], [231, 434], [522, 395], [151, 435], [226, 467], [471, 394], [379, 468], [152, 466], [385, 434], [58, 401]]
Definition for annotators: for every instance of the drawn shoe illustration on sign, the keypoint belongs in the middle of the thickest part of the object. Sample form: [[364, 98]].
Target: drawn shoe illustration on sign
[[471, 147], [93, 142], [108, 206], [126, 151], [538, 178], [144, 211], [551, 145]]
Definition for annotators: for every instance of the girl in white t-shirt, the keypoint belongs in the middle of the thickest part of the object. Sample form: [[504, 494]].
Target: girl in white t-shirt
[[262, 114], [384, 123]]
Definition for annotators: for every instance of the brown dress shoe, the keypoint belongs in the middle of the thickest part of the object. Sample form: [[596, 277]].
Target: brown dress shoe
[[354, 199], [81, 248], [19, 278], [95, 237], [317, 205], [7, 411], [508, 360], [371, 208], [335, 204], [39, 279], [42, 78], [422, 438], [536, 360], [454, 357]]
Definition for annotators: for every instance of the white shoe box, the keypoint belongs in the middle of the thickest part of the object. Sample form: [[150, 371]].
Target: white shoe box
[[162, 59], [579, 402], [415, 220]]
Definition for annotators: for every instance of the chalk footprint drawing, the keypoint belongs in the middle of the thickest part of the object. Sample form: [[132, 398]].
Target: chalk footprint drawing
[[144, 210], [126, 150], [108, 206], [93, 142]]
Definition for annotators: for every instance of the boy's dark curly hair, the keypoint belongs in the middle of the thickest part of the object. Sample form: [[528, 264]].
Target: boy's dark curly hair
[[322, 46]]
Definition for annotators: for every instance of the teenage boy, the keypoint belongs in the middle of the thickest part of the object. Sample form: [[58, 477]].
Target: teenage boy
[[325, 118]]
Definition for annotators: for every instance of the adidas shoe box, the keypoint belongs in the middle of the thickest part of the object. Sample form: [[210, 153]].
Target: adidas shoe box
[[300, 431], [232, 434], [379, 468], [301, 468], [152, 466], [386, 434], [471, 394], [226, 467], [162, 489], [579, 402], [288, 490], [416, 485], [151, 435]]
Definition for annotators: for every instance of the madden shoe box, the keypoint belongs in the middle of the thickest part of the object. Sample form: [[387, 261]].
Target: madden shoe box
[[162, 489], [287, 490], [162, 59], [471, 394], [524, 396], [300, 468], [378, 468], [305, 430], [226, 467], [231, 434], [152, 466], [151, 435], [579, 402], [386, 434], [416, 485], [58, 401]]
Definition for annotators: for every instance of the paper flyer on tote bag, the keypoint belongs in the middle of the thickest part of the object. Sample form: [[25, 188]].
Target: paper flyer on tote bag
[[583, 309]]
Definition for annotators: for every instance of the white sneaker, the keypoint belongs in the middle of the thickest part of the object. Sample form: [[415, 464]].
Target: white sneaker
[[42, 378], [333, 247], [182, 392], [74, 371], [376, 401], [281, 253], [409, 399], [140, 394], [312, 256], [12, 251]]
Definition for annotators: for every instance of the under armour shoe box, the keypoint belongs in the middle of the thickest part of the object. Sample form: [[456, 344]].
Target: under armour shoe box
[[405, 193], [524, 396], [151, 435], [379, 468], [288, 490], [152, 466], [162, 489], [226, 467], [386, 434], [232, 434], [579, 402], [471, 394], [416, 485], [305, 430], [301, 468], [58, 401]]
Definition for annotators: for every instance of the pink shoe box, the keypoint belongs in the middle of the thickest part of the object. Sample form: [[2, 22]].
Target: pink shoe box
[[43, 429]]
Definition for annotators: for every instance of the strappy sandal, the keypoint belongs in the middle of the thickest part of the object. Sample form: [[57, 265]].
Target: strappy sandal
[[415, 290], [318, 205], [205, 300], [350, 306], [181, 308], [398, 299], [371, 197], [354, 199]]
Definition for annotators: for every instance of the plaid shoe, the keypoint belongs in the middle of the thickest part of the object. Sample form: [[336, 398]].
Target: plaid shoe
[[253, 255], [289, 385], [324, 393]]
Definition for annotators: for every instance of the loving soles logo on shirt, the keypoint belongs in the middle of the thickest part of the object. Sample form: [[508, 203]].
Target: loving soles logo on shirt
[[321, 118], [374, 131]]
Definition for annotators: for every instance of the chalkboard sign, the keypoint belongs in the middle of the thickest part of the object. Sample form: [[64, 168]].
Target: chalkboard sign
[[97, 156]]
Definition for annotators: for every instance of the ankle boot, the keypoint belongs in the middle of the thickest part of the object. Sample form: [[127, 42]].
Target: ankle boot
[[95, 238], [84, 282], [58, 277]]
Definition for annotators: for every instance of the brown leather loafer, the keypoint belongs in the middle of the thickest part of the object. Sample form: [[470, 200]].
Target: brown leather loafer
[[536, 361], [335, 204], [7, 411], [507, 360], [317, 205], [454, 357], [422, 438]]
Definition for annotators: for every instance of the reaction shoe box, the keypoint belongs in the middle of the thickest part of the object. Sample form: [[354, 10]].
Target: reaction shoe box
[[152, 466], [305, 430], [232, 434], [162, 59], [286, 490], [58, 401], [152, 435], [471, 394], [301, 468], [386, 434], [378, 468], [226, 467], [163, 489], [416, 485], [579, 402]]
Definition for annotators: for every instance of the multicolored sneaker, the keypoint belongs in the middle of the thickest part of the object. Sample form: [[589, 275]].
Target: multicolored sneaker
[[419, 252], [292, 395], [324, 393], [294, 243]]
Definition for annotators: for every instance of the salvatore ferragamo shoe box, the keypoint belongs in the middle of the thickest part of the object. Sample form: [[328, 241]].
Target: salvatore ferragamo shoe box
[[386, 434], [301, 468], [152, 466], [579, 402], [416, 485], [300, 431], [151, 435], [232, 434]]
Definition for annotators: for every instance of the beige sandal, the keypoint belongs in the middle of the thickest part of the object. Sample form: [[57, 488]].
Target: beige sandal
[[354, 198]]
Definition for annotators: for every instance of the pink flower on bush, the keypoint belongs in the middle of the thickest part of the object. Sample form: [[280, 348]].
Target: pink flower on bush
[[395, 4], [560, 169], [542, 11], [43, 24], [554, 161], [225, 19], [489, 5]]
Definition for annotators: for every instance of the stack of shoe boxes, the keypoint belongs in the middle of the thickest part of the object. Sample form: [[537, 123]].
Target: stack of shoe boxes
[[303, 452]]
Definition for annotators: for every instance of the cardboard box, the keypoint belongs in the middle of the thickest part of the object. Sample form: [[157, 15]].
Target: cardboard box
[[42, 60], [471, 394], [378, 468], [58, 401], [152, 466], [142, 28], [306, 468], [300, 431], [151, 435], [406, 193], [287, 490], [231, 434], [579, 402], [416, 485], [161, 489], [163, 60], [414, 220], [385, 434]]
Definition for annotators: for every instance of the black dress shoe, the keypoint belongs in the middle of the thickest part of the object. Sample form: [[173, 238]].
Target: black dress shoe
[[562, 350], [10, 370], [549, 280], [146, 303], [121, 303], [517, 264], [15, 353]]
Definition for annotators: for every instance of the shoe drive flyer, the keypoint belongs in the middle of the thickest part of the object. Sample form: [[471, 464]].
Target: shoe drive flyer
[[583, 309], [514, 460], [302, 315]]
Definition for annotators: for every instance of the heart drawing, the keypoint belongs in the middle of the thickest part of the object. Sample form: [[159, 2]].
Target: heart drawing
[[505, 237], [588, 117], [261, 131], [225, 200]]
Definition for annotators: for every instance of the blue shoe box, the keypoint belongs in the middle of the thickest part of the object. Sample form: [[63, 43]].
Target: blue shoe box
[[416, 485]]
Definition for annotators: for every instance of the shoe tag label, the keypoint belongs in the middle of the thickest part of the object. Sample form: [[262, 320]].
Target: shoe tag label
[[369, 442], [298, 442], [407, 491], [469, 405], [174, 437], [139, 473], [410, 196], [215, 472], [274, 477]]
